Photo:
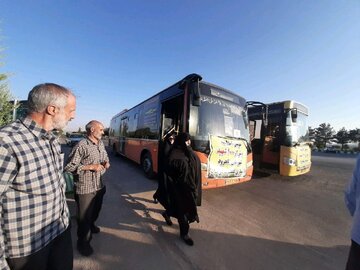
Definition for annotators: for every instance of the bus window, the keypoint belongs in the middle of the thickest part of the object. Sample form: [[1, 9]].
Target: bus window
[[258, 128], [216, 116], [194, 118], [172, 113]]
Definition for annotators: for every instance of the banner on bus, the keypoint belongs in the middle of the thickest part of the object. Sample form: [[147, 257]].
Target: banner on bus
[[227, 158]]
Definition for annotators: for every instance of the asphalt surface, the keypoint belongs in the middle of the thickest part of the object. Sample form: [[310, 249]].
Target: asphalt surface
[[270, 222]]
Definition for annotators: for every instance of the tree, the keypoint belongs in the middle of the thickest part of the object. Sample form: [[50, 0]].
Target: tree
[[312, 136], [354, 135], [6, 107], [312, 133], [323, 135], [342, 137]]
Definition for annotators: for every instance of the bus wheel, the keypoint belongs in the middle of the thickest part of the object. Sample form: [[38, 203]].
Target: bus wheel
[[147, 166]]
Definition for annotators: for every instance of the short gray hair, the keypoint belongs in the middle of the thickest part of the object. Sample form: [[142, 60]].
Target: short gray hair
[[91, 124], [43, 95]]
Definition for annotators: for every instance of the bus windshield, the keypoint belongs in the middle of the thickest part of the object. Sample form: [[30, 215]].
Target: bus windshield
[[296, 130], [219, 117]]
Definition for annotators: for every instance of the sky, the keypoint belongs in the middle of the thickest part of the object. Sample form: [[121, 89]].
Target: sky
[[115, 54]]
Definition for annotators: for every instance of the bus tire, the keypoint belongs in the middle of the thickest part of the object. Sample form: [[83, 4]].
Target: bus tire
[[147, 165]]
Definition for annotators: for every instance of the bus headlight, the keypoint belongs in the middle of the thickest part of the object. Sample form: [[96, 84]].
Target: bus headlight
[[289, 161], [249, 164]]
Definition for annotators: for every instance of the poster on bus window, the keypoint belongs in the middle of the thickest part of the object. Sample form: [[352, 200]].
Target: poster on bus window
[[151, 114], [227, 158]]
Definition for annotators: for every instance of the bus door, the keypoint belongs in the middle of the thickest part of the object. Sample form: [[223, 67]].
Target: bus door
[[123, 132], [271, 147], [255, 128], [172, 116]]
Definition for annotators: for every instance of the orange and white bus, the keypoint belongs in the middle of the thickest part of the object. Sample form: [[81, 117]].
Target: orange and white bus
[[215, 118]]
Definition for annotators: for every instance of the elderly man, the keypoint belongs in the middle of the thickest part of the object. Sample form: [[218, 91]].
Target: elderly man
[[88, 161], [34, 231]]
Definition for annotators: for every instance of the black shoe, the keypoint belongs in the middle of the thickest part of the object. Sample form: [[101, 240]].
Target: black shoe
[[155, 199], [167, 218], [85, 249], [197, 219], [187, 240], [95, 229]]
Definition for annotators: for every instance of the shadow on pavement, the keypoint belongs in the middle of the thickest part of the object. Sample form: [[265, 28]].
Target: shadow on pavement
[[134, 236], [260, 174]]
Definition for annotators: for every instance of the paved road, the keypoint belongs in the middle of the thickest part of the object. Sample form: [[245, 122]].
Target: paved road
[[271, 222]]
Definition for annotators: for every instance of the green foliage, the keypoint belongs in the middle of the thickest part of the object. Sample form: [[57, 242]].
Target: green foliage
[[342, 137], [6, 107], [312, 133], [323, 135], [354, 135]]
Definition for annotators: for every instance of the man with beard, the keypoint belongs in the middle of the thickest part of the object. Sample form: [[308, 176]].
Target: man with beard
[[35, 231], [88, 160]]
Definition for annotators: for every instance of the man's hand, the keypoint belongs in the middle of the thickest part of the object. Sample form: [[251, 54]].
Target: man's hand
[[96, 167], [106, 164]]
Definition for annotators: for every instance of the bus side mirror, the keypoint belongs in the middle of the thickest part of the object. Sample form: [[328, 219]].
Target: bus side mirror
[[195, 90], [288, 118], [245, 117], [294, 115]]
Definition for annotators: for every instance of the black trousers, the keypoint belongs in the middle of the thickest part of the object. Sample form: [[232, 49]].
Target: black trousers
[[57, 255], [353, 262], [184, 225], [88, 209]]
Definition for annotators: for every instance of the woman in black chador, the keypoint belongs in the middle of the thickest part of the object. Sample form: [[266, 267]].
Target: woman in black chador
[[161, 193], [183, 179]]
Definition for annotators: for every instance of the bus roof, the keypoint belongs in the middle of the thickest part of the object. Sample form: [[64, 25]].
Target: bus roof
[[286, 104], [189, 78], [290, 104]]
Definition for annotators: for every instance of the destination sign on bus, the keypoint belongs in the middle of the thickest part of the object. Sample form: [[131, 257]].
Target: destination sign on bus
[[217, 93], [234, 109]]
